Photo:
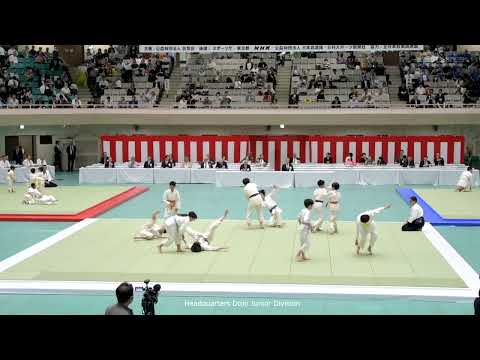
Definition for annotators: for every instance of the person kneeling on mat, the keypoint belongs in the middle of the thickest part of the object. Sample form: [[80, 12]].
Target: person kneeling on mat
[[415, 221], [45, 174]]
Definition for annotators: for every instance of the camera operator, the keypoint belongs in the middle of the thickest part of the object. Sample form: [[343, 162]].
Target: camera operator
[[124, 294]]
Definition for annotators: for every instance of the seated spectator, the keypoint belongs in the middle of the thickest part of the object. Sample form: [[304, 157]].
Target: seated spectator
[[438, 160], [168, 162], [440, 98], [287, 165], [131, 91], [425, 162], [343, 77], [206, 163], [363, 159], [410, 162], [65, 89], [336, 103], [250, 97], [328, 158], [294, 98], [403, 93], [149, 163], [320, 95], [109, 163], [76, 103], [108, 102], [206, 101], [245, 166], [349, 160], [73, 89], [381, 161], [118, 84], [133, 102], [222, 164], [420, 90], [187, 163], [122, 103], [261, 161], [226, 100]]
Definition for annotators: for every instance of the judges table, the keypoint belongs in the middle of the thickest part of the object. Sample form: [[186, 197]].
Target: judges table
[[306, 175], [22, 173]]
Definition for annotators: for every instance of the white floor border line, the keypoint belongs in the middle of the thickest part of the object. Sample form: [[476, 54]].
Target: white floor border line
[[94, 287], [44, 244], [453, 258]]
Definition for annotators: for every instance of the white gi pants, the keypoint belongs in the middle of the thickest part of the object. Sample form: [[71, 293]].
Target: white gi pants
[[275, 217], [320, 209], [255, 204], [173, 236], [304, 237], [363, 234], [11, 186]]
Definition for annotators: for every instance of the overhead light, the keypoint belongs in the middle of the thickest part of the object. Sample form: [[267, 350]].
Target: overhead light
[[22, 126], [282, 126]]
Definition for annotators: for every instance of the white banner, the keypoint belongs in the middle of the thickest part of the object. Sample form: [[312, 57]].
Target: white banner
[[272, 48]]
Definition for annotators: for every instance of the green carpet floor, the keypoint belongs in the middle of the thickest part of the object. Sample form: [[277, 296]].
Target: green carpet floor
[[451, 204]]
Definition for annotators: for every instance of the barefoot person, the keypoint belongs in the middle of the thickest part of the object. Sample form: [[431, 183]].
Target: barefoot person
[[254, 201], [465, 181], [151, 230], [171, 200], [272, 206], [305, 221], [334, 196], [34, 196], [320, 196], [176, 226], [11, 179], [366, 226], [203, 241]]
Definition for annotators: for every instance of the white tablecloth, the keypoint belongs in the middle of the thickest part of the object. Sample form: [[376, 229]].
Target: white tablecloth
[[310, 178], [283, 179], [134, 176], [23, 173], [98, 176], [378, 176], [203, 176], [164, 176]]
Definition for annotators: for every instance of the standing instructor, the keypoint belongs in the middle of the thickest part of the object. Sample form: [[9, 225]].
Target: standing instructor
[[72, 154]]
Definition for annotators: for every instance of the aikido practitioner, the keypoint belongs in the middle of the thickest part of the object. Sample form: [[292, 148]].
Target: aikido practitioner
[[254, 201], [320, 196], [366, 226], [11, 178], [465, 181], [151, 230], [171, 200], [272, 207], [334, 196], [34, 196], [176, 227], [415, 221], [305, 222], [203, 241]]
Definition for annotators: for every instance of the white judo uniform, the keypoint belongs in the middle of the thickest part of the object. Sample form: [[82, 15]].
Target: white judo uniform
[[320, 196], [369, 228], [305, 221], [151, 231], [333, 199], [33, 196], [255, 202], [466, 180], [176, 227], [170, 195], [273, 208], [38, 180], [11, 180], [205, 239]]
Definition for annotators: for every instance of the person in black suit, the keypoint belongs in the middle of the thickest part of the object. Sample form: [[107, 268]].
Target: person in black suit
[[328, 159], [222, 164], [109, 163], [18, 155], [206, 163], [410, 162], [380, 161], [72, 155], [425, 162], [404, 161], [438, 160], [245, 166], [287, 166], [58, 156], [168, 162], [400, 157], [103, 158], [149, 163]]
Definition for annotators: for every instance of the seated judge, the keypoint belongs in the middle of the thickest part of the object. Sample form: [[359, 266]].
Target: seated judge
[[287, 165], [249, 158], [425, 162], [109, 163], [261, 161], [168, 162], [363, 160], [415, 221], [206, 163], [149, 164], [400, 157], [381, 161], [410, 162], [245, 166], [132, 163], [438, 160], [328, 159], [295, 160], [187, 163], [222, 164], [404, 161], [349, 160], [103, 158]]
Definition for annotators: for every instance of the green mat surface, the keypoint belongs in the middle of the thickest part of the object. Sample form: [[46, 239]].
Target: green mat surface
[[71, 199], [451, 204], [105, 251]]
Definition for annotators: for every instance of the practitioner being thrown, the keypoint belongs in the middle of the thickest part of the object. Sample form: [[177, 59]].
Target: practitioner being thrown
[[305, 221], [203, 241], [151, 230], [254, 200], [465, 181], [34, 196], [367, 226], [176, 227], [272, 206]]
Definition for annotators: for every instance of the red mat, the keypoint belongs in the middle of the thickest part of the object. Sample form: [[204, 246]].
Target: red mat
[[91, 212]]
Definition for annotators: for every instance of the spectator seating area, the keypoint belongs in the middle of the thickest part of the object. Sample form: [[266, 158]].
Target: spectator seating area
[[339, 80], [225, 80], [440, 78]]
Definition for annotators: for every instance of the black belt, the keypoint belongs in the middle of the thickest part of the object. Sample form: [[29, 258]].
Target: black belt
[[273, 208], [253, 195], [319, 201]]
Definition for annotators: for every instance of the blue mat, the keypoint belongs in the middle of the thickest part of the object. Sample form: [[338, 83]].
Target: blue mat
[[431, 215]]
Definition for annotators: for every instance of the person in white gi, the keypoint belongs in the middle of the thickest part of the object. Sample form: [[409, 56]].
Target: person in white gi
[[465, 181], [415, 221], [11, 179], [203, 241], [37, 179], [366, 226], [272, 206], [28, 161], [171, 200], [151, 230], [305, 221], [176, 227], [334, 196], [320, 197], [34, 196], [255, 202], [4, 162]]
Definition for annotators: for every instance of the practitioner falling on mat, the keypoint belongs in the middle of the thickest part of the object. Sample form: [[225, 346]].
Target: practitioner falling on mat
[[151, 230], [305, 221], [254, 201], [465, 181], [415, 221], [320, 196], [171, 200], [366, 226], [272, 206], [203, 241], [11, 179], [176, 226], [334, 196], [34, 196]]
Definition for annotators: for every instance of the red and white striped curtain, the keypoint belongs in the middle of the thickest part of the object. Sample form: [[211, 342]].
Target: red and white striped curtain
[[276, 148]]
